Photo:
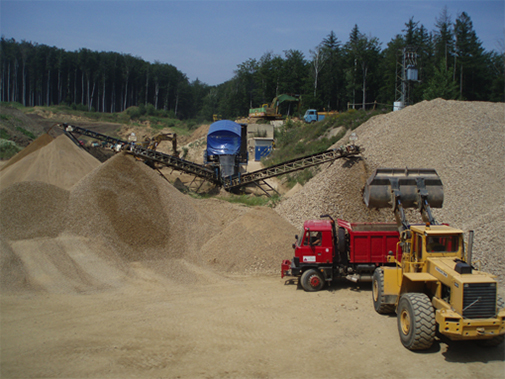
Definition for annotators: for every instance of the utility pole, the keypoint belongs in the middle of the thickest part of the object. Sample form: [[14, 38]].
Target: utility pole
[[406, 71]]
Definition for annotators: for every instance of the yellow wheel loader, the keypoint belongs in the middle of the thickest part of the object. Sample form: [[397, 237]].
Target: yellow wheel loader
[[433, 286]]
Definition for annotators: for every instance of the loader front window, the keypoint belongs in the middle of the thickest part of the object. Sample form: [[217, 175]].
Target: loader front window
[[442, 244]]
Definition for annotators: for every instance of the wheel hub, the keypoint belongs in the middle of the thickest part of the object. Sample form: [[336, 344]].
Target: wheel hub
[[314, 281], [405, 322], [375, 291]]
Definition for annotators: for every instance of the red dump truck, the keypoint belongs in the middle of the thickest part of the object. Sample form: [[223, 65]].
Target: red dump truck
[[327, 250]]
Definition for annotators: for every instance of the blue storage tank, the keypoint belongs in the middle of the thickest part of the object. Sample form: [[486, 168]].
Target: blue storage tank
[[226, 147], [223, 138]]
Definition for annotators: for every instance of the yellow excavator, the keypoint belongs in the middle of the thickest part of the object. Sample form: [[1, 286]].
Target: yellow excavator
[[152, 143], [433, 286], [271, 111]]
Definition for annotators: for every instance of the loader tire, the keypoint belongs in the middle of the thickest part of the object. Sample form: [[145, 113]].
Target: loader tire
[[312, 281], [416, 321], [379, 299]]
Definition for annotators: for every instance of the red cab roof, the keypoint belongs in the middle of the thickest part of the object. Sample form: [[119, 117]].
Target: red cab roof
[[319, 225]]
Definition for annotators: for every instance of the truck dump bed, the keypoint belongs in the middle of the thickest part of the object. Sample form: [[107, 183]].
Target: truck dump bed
[[371, 242]]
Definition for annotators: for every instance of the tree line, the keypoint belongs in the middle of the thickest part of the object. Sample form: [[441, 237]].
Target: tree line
[[450, 61], [34, 74]]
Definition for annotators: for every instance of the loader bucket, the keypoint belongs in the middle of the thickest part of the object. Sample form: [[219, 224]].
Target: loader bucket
[[378, 187]]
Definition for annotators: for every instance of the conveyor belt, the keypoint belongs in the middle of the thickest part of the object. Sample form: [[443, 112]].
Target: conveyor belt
[[70, 129], [206, 173], [146, 154], [174, 162], [291, 166]]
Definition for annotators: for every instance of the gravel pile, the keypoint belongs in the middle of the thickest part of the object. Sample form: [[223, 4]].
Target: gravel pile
[[463, 141], [135, 210], [40, 142], [60, 163], [123, 217], [32, 210], [142, 217], [254, 242]]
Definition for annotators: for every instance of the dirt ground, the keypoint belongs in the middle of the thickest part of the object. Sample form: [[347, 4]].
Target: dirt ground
[[231, 327]]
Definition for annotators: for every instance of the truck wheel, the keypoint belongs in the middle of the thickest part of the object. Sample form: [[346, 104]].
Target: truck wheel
[[379, 299], [416, 321], [312, 281]]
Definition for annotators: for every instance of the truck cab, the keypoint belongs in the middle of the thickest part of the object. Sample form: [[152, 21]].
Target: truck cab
[[315, 243], [310, 116]]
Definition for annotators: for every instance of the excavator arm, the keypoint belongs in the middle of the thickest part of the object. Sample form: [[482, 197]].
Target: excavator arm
[[152, 143]]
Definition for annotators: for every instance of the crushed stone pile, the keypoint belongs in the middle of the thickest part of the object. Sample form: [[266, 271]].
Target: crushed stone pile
[[38, 143], [59, 162], [32, 209], [463, 141], [135, 210], [256, 241], [121, 219]]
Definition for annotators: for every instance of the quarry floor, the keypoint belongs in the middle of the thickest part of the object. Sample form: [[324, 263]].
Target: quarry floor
[[236, 327]]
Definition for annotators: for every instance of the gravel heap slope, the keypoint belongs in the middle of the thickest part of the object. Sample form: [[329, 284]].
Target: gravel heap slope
[[121, 219], [463, 141], [38, 143], [59, 162]]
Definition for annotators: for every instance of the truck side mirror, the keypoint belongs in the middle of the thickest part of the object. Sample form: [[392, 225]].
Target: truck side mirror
[[296, 237], [294, 246]]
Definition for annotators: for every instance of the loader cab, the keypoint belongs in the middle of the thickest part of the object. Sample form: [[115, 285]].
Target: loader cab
[[436, 241]]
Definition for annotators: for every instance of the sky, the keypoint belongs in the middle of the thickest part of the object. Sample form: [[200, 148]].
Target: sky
[[207, 40]]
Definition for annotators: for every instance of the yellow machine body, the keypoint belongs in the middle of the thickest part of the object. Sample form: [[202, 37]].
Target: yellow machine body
[[464, 299]]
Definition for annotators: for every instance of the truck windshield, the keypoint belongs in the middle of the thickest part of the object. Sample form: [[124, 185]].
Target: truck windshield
[[443, 244], [312, 238], [300, 238]]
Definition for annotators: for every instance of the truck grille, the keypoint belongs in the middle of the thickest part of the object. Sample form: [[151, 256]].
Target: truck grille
[[479, 300]]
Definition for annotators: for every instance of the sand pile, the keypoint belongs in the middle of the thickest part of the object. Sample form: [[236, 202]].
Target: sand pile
[[13, 275], [32, 209], [123, 221], [141, 215], [60, 163], [40, 142], [256, 241], [463, 141]]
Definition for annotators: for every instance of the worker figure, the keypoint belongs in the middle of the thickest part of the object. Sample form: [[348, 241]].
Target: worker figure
[[132, 138], [316, 241]]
